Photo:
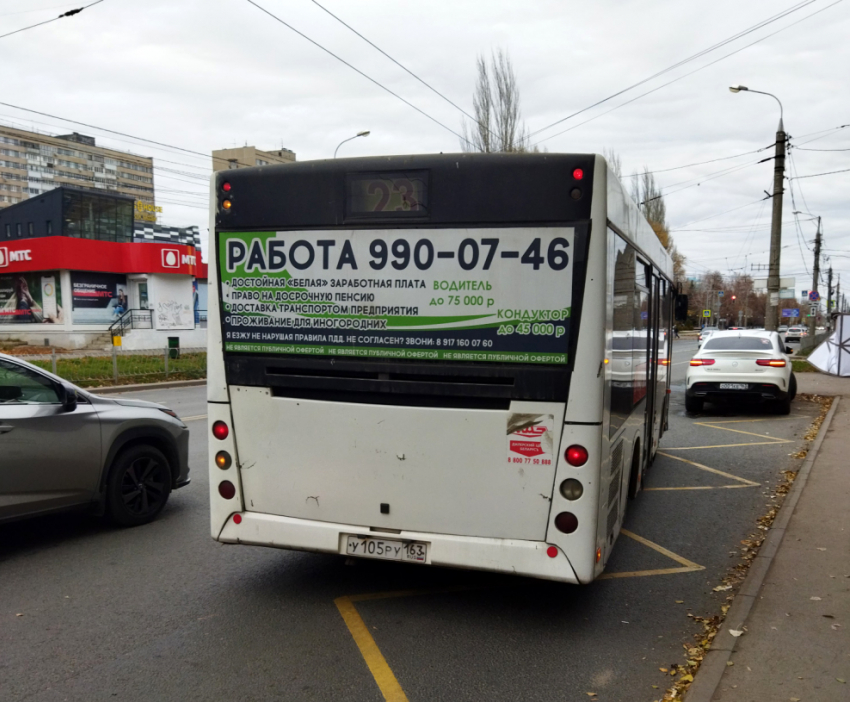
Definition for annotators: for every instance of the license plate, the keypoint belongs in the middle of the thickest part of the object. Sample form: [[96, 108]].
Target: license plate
[[734, 386], [387, 549]]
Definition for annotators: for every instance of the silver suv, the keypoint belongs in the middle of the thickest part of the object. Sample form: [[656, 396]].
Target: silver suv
[[64, 448]]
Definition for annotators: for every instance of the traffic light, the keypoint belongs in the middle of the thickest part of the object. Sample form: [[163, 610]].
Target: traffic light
[[734, 297]]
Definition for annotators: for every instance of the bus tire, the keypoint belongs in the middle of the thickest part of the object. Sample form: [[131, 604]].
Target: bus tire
[[138, 485], [635, 474]]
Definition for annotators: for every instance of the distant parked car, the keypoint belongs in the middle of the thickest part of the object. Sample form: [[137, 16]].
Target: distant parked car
[[64, 448], [783, 328], [743, 366]]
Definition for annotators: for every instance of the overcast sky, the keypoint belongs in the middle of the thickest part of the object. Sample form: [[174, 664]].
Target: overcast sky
[[206, 74]]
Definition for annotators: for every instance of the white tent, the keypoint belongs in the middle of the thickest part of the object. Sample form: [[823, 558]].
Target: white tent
[[833, 355]]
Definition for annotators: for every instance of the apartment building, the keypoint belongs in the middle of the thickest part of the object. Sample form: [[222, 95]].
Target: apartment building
[[32, 163], [245, 156]]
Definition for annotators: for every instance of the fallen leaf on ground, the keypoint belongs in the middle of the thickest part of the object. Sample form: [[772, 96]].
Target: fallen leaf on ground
[[828, 616], [841, 680], [736, 632], [722, 588], [19, 615], [815, 599], [663, 670], [835, 627], [820, 548], [687, 678], [730, 663], [680, 601]]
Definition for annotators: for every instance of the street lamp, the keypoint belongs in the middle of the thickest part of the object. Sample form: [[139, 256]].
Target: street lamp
[[772, 311], [359, 134]]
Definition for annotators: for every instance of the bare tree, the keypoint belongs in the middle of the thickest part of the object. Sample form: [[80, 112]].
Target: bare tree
[[647, 195], [498, 125], [614, 161]]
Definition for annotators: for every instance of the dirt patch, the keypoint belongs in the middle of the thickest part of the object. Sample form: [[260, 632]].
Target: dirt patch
[[24, 350]]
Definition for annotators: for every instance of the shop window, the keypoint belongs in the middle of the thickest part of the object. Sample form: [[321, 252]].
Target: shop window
[[30, 229], [18, 230]]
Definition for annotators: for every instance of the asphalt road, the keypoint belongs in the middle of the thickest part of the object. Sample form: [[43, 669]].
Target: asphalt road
[[162, 612]]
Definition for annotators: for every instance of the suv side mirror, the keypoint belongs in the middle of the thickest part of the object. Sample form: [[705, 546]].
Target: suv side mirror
[[680, 313], [68, 397]]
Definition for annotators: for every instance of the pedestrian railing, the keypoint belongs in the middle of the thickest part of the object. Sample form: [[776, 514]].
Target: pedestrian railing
[[131, 319]]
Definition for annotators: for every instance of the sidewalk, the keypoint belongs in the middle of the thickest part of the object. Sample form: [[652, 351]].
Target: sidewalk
[[796, 644]]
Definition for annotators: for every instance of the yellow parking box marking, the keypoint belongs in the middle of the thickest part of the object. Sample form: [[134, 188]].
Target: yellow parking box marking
[[702, 487], [686, 567], [744, 481], [666, 552], [192, 419], [692, 448], [740, 431], [384, 677]]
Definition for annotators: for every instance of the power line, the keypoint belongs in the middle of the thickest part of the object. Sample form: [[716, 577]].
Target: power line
[[815, 175], [799, 149], [700, 163], [401, 66], [664, 85], [39, 9], [693, 57], [69, 13], [357, 70], [702, 219]]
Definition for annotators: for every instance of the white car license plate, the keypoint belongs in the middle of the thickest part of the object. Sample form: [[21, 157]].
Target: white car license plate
[[734, 386], [387, 549]]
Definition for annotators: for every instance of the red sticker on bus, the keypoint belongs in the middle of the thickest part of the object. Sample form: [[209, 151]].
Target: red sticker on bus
[[527, 448]]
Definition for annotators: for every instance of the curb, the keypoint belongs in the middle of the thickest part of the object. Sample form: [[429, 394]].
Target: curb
[[113, 389], [707, 679]]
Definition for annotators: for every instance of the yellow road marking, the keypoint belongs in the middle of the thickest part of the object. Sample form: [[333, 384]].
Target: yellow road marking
[[645, 573], [739, 431], [192, 419], [761, 419], [746, 483], [691, 448], [646, 542], [384, 677], [382, 673], [702, 487]]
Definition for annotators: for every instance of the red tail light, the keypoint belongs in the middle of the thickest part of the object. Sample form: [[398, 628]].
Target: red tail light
[[702, 361], [576, 455], [227, 489], [578, 174], [226, 187], [220, 430], [775, 362], [566, 522]]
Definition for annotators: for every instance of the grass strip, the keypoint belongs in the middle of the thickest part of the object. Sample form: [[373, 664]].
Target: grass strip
[[95, 371]]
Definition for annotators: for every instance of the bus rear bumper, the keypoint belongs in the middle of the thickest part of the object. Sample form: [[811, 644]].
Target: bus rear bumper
[[528, 558]]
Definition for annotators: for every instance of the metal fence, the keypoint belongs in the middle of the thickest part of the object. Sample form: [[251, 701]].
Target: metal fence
[[91, 369]]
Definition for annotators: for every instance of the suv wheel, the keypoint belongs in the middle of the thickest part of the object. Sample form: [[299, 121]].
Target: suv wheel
[[138, 486]]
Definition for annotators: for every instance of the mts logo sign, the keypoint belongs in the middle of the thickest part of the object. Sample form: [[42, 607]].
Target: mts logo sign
[[172, 258], [7, 257]]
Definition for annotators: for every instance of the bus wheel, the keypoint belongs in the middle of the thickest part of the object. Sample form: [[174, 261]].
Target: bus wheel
[[635, 475]]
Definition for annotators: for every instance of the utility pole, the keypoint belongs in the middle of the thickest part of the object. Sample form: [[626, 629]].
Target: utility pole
[[771, 321], [814, 318], [829, 298]]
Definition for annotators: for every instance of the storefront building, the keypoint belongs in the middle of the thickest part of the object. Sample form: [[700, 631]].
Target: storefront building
[[70, 268]]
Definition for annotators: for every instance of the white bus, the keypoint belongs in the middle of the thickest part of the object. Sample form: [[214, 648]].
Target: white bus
[[455, 360]]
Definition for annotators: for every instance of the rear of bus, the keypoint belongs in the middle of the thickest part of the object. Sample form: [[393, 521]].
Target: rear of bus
[[406, 360]]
